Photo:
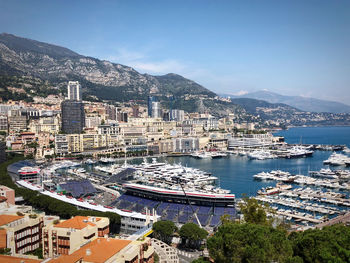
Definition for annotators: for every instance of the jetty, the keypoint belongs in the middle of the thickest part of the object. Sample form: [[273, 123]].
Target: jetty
[[300, 217], [342, 219]]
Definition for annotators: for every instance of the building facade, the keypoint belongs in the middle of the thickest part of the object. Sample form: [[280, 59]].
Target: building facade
[[67, 236], [17, 120], [74, 90], [186, 145], [73, 116], [23, 232]]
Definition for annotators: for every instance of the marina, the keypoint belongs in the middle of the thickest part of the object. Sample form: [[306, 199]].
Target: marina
[[184, 189]]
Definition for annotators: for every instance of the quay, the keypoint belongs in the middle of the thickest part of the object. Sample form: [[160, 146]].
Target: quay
[[303, 218], [326, 198], [342, 219], [322, 147]]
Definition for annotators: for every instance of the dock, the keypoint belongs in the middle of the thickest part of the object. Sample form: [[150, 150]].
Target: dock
[[343, 219], [324, 197], [303, 218]]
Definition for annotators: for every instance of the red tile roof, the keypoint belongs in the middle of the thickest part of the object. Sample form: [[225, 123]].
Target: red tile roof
[[77, 222], [5, 219], [101, 249]]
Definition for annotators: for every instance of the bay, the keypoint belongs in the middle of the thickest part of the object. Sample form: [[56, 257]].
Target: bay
[[236, 172]]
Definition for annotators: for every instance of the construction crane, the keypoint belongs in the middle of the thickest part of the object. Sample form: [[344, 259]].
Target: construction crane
[[188, 200]]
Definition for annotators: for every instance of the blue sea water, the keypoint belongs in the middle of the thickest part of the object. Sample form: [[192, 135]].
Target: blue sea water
[[236, 173]]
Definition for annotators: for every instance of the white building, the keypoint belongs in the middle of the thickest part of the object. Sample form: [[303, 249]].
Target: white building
[[156, 110], [177, 115], [74, 90], [61, 144]]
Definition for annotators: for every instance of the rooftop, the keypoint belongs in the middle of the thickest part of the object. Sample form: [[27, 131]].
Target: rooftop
[[101, 249], [77, 222], [5, 219], [6, 259]]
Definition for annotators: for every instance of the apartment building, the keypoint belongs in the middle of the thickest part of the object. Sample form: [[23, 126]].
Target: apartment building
[[61, 144], [21, 232], [111, 250], [45, 124], [87, 141], [17, 120], [67, 236], [3, 123], [73, 116], [185, 145]]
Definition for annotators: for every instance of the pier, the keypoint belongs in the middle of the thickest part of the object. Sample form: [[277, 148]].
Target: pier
[[343, 219], [323, 197], [303, 218]]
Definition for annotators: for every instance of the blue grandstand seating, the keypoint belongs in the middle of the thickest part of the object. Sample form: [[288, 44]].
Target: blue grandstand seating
[[78, 188], [13, 168], [184, 218], [219, 211], [215, 220], [203, 219], [188, 209], [162, 208], [176, 207], [204, 210], [138, 208], [121, 175], [171, 215], [230, 211], [124, 205]]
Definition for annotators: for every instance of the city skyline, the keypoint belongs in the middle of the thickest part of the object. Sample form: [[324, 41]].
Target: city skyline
[[292, 47]]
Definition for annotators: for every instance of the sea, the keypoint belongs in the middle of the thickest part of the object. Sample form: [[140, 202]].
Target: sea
[[236, 172]]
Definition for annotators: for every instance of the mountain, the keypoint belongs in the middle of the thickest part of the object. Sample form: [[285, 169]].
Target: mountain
[[266, 110], [302, 103], [99, 78]]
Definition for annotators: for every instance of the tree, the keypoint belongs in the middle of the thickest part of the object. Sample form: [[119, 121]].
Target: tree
[[192, 235], [331, 244], [200, 260], [249, 243], [164, 230], [254, 212]]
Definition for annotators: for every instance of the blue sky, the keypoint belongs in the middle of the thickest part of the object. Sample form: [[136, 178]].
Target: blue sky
[[290, 47]]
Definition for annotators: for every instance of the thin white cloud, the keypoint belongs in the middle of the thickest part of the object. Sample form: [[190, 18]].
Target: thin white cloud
[[159, 67], [241, 92], [306, 95], [125, 56], [143, 62]]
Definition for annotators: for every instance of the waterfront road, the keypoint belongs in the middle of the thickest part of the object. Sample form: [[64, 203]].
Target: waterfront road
[[337, 220]]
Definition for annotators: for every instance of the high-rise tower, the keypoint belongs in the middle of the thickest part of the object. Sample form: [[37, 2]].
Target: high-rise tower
[[74, 90], [73, 114]]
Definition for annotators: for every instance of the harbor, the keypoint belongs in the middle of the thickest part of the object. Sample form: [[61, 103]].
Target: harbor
[[202, 186]]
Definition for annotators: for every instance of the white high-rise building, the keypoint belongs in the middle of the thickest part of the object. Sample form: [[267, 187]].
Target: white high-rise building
[[156, 110], [74, 90], [177, 115]]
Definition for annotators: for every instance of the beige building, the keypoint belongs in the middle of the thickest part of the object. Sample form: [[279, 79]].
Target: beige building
[[68, 236], [17, 121], [21, 233], [108, 250], [87, 141], [45, 124]]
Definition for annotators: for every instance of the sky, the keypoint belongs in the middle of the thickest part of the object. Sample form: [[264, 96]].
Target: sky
[[292, 47]]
